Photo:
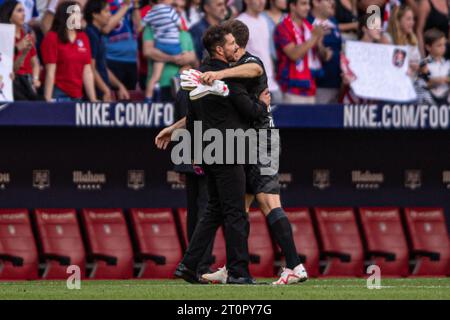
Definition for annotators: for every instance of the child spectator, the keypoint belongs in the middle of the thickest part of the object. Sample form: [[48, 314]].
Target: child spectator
[[166, 25], [66, 54], [26, 64], [439, 67]]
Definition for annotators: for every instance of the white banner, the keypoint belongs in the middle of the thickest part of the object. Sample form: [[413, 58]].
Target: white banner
[[7, 42], [381, 71]]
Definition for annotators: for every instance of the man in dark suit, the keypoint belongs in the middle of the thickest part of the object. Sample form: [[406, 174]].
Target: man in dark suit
[[226, 182]]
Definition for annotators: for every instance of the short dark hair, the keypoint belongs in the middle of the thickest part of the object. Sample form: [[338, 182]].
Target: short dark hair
[[93, 7], [215, 36], [432, 35], [239, 30], [289, 4]]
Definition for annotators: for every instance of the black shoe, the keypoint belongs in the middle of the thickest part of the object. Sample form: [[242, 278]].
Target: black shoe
[[240, 280], [188, 275]]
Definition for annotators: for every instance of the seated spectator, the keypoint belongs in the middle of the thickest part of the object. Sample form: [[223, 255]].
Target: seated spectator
[[346, 14], [400, 32], [438, 66], [274, 14], [297, 42], [215, 11], [121, 46], [97, 15], [26, 64], [66, 54], [172, 63], [329, 80], [260, 42], [166, 25]]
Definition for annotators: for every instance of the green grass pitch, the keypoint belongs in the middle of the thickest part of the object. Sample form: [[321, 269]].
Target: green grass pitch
[[346, 289]]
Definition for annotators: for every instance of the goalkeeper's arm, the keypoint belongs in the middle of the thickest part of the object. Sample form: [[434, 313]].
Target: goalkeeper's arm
[[246, 70]]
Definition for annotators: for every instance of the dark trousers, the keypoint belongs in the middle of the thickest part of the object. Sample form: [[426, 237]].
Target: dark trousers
[[126, 72], [226, 206], [197, 204]]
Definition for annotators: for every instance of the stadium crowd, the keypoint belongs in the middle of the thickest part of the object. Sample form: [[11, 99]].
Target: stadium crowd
[[107, 50]]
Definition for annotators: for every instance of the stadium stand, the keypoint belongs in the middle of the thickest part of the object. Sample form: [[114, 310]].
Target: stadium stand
[[305, 239], [159, 249], [428, 240], [108, 244], [219, 251], [340, 242], [384, 240], [59, 242], [18, 252], [260, 246]]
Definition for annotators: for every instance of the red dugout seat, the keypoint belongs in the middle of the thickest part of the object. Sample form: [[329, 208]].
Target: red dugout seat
[[428, 237], [18, 252], [158, 243], [340, 242], [60, 242], [109, 245], [385, 241], [305, 239], [260, 246], [219, 250]]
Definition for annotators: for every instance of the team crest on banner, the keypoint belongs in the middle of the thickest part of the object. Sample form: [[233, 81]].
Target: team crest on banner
[[41, 179], [413, 179], [136, 179], [321, 179]]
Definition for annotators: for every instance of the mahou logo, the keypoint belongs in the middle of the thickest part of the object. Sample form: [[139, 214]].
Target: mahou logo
[[89, 180], [367, 180]]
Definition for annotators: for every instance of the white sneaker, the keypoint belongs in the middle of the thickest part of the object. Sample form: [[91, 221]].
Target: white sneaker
[[289, 276], [220, 276], [218, 88]]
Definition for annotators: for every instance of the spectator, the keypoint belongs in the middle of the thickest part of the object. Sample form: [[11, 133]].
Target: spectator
[[274, 14], [297, 42], [215, 11], [259, 42], [374, 34], [121, 47], [172, 63], [166, 25], [433, 14], [329, 80], [97, 15], [30, 11], [400, 32], [193, 12], [346, 14], [438, 66], [26, 64], [66, 54], [142, 65]]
